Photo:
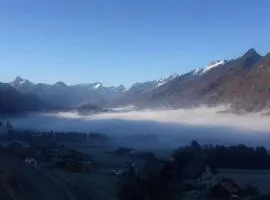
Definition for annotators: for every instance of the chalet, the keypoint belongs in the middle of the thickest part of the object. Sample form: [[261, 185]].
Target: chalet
[[199, 174], [228, 188], [225, 188], [31, 162]]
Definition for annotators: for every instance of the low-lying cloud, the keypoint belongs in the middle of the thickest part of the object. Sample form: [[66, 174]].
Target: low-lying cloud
[[197, 116], [160, 128]]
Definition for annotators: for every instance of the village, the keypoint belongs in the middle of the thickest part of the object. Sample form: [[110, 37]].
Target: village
[[84, 166]]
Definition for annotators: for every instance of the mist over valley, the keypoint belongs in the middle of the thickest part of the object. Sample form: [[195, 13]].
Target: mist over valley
[[157, 128]]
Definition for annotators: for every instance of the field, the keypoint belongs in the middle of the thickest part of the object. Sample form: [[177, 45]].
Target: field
[[100, 183]]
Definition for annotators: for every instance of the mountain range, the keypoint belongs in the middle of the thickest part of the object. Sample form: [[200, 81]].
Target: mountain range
[[242, 83]]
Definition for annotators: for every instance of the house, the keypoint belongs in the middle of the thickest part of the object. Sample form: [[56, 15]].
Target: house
[[228, 188], [199, 174], [31, 162], [225, 188]]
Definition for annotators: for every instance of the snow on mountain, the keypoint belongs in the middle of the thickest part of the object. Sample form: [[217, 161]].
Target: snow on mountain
[[143, 87], [19, 81], [213, 65], [100, 87], [90, 86], [97, 85], [210, 66], [165, 80], [195, 71], [120, 88]]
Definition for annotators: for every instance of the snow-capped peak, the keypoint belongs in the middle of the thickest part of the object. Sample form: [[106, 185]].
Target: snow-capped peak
[[173, 76], [196, 71], [18, 82], [163, 81], [91, 86], [97, 85], [210, 66], [213, 65]]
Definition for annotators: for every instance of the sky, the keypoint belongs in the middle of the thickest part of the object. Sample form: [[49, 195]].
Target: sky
[[125, 41]]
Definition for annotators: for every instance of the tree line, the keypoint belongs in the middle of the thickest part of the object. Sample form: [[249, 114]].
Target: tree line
[[51, 136], [230, 157]]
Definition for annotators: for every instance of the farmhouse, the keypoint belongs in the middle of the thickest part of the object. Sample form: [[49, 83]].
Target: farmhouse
[[31, 162], [227, 188], [199, 174]]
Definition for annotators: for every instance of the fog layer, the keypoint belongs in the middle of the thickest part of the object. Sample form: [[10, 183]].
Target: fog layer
[[159, 128]]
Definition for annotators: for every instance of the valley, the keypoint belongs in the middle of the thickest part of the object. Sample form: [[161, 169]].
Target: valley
[[134, 100], [80, 166]]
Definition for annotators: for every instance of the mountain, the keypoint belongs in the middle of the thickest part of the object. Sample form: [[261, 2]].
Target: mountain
[[61, 95], [137, 90], [97, 89], [210, 66], [14, 102], [90, 86], [242, 83], [22, 84], [150, 85]]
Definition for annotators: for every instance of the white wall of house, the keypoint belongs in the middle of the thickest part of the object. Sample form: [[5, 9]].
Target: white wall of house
[[31, 162], [208, 179]]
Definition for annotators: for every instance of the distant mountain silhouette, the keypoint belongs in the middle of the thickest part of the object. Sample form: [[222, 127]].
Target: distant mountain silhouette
[[242, 83], [14, 102]]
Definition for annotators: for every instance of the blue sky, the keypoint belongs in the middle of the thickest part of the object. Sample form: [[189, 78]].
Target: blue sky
[[125, 41]]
